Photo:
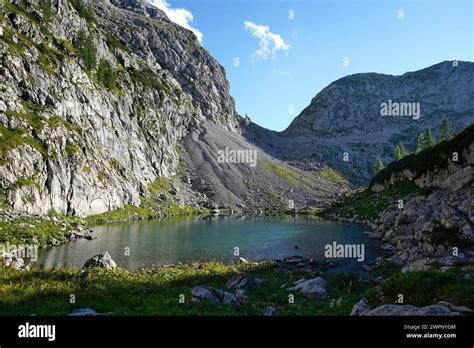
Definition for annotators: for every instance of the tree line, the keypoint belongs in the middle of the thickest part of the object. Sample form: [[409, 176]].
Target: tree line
[[425, 140]]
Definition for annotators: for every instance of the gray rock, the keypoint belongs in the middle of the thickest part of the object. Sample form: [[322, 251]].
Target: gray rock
[[243, 281], [270, 311], [101, 260], [86, 312], [313, 288], [240, 294], [242, 260], [217, 296], [360, 307], [201, 293]]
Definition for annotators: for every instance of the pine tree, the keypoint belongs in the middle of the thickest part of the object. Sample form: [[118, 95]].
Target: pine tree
[[400, 151], [429, 138], [87, 50], [445, 129], [378, 165], [425, 140]]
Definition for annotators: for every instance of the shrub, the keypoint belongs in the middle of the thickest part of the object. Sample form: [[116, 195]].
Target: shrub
[[106, 74]]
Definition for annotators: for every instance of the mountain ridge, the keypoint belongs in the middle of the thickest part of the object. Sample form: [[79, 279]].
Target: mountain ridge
[[344, 117]]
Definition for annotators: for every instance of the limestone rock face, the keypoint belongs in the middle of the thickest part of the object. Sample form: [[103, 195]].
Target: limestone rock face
[[433, 229], [73, 145], [345, 117]]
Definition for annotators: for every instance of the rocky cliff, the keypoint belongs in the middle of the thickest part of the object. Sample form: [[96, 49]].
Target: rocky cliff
[[69, 143], [99, 101], [435, 228], [349, 116]]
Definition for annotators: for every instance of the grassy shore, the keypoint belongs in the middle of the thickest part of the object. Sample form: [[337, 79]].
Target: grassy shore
[[156, 291]]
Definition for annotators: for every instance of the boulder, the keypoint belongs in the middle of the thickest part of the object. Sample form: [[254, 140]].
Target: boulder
[[270, 311], [360, 307], [201, 293], [242, 281], [101, 260], [313, 288], [217, 296]]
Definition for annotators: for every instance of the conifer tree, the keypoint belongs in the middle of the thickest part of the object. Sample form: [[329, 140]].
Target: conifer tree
[[400, 151], [445, 129], [378, 165]]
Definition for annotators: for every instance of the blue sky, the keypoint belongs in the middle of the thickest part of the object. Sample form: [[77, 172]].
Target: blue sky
[[282, 67]]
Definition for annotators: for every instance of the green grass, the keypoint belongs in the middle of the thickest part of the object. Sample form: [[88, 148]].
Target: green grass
[[15, 137], [3, 199], [148, 78], [72, 149], [280, 171], [127, 213], [24, 182], [160, 185], [28, 230], [332, 176], [101, 176], [20, 11], [367, 204], [156, 291], [425, 288], [34, 120]]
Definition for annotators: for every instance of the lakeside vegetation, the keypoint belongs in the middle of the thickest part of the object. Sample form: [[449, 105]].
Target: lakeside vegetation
[[430, 157], [423, 288], [367, 204], [157, 291]]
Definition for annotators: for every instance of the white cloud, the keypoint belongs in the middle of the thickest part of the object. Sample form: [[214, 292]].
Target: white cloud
[[269, 43], [180, 16]]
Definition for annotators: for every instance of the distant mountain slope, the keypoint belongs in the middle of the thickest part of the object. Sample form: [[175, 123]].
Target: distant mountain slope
[[346, 117]]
